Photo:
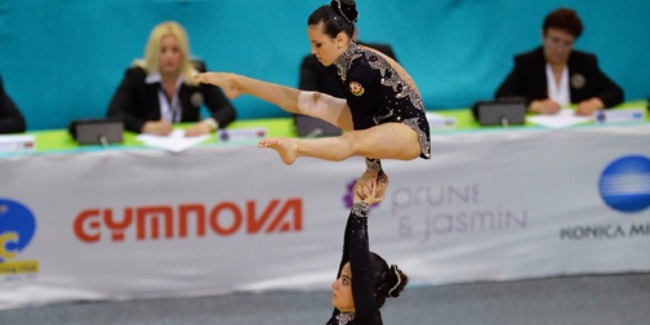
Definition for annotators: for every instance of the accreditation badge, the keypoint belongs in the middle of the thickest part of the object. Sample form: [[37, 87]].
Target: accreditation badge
[[578, 81]]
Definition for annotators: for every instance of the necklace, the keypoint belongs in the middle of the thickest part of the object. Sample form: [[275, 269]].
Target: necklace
[[344, 318]]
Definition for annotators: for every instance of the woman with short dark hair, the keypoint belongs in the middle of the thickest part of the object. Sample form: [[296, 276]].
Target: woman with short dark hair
[[11, 119], [555, 75]]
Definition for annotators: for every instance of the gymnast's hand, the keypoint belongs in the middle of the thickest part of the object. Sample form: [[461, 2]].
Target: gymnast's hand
[[377, 180], [367, 193], [227, 82]]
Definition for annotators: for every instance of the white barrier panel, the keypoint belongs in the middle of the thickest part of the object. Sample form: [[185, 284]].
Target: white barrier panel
[[213, 220]]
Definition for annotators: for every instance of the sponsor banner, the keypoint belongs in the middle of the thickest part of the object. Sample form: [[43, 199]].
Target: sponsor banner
[[214, 220]]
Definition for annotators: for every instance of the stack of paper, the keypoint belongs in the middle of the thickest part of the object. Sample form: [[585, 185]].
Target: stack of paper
[[175, 142], [562, 119]]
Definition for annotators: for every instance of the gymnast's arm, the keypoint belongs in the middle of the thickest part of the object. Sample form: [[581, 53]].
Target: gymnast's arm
[[366, 310]]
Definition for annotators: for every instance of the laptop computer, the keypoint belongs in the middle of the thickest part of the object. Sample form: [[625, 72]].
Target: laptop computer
[[97, 131], [500, 112]]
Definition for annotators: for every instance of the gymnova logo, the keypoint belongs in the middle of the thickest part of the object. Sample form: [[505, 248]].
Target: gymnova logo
[[17, 227], [624, 185]]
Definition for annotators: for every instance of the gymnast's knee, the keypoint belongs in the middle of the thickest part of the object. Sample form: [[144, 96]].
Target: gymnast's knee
[[320, 105]]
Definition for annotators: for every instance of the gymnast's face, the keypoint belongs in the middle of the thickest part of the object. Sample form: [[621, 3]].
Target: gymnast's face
[[325, 48], [342, 290], [558, 45], [170, 56]]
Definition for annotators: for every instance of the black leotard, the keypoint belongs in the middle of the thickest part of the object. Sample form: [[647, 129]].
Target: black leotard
[[377, 94]]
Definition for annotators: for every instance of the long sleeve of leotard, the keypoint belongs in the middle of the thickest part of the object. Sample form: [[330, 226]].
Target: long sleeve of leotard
[[356, 251]]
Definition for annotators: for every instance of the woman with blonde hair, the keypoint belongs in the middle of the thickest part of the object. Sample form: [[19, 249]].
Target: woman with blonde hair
[[159, 90]]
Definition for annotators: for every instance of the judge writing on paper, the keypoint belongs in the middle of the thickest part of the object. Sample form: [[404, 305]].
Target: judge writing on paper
[[555, 75]]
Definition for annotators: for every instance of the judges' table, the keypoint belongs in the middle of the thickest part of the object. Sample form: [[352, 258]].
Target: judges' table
[[491, 204]]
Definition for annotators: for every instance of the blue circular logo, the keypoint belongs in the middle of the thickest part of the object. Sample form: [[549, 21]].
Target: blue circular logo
[[17, 227], [625, 184]]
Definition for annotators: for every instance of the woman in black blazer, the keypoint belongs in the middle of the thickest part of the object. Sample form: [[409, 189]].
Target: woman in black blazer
[[575, 76], [11, 120], [159, 90]]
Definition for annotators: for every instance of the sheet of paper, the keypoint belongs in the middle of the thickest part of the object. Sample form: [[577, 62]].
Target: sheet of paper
[[562, 119], [175, 142]]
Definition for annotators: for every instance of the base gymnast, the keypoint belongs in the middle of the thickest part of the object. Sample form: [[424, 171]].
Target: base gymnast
[[364, 279]]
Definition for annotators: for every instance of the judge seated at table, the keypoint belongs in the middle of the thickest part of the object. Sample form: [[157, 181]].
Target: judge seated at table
[[555, 75], [159, 90]]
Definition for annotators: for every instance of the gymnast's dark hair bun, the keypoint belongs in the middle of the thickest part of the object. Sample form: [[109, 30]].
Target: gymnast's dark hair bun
[[399, 282], [387, 281], [346, 8]]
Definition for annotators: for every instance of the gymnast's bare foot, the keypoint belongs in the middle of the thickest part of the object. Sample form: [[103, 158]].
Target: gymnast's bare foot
[[284, 146], [227, 82]]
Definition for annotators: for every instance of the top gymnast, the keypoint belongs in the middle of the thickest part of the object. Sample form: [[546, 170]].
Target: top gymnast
[[383, 112]]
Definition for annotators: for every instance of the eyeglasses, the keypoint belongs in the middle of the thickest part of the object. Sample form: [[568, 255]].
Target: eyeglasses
[[558, 42]]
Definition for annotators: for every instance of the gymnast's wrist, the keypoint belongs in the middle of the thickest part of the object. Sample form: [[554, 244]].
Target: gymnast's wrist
[[373, 165], [360, 209]]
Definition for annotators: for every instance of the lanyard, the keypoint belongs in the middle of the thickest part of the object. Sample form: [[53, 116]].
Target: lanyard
[[170, 109]]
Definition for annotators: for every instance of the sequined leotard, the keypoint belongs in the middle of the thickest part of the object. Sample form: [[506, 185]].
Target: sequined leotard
[[356, 251], [376, 93]]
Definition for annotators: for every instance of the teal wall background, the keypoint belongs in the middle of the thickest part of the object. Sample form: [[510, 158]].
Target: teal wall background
[[62, 59]]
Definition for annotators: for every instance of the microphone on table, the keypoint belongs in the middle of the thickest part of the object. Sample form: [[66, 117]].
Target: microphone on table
[[504, 121]]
